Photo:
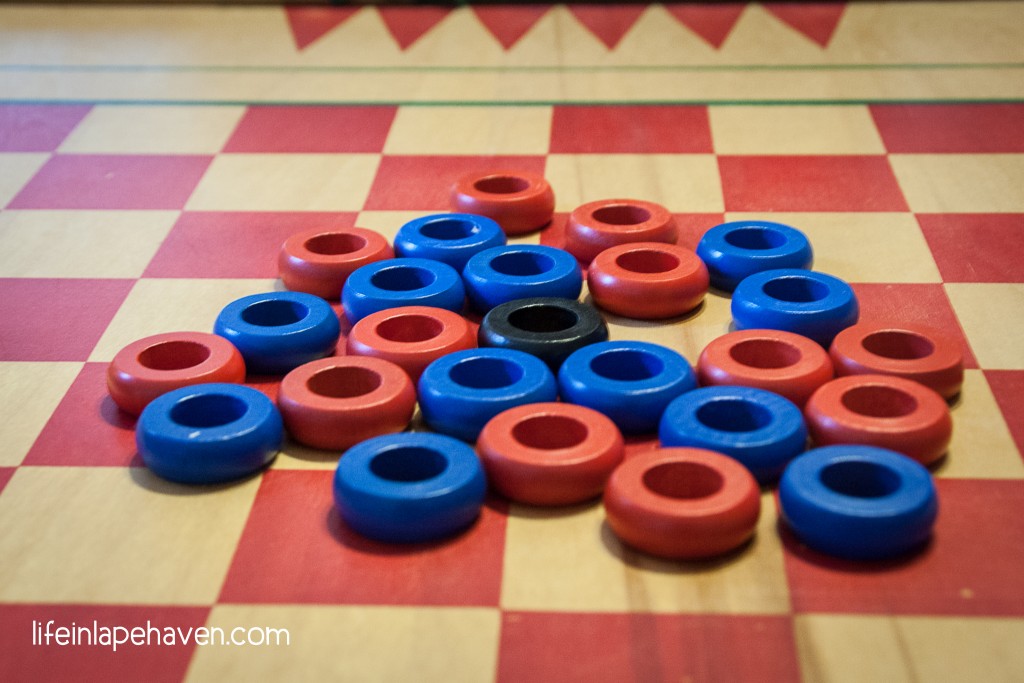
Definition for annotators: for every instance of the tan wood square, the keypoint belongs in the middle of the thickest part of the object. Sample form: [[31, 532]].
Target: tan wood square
[[16, 169], [29, 393], [982, 447], [470, 130], [961, 183], [992, 316], [794, 130], [131, 129]]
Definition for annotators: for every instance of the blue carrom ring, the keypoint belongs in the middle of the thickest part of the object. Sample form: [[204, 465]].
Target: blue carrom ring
[[858, 502], [410, 487], [500, 274], [459, 393], [761, 429], [812, 304], [451, 238], [398, 282], [278, 331], [736, 250], [632, 382], [209, 433]]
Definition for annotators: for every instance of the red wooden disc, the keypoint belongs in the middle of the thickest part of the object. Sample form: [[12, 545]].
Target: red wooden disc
[[412, 337], [518, 201], [334, 403], [685, 503], [647, 280], [788, 364], [881, 410], [550, 453], [319, 261], [916, 352], [600, 225]]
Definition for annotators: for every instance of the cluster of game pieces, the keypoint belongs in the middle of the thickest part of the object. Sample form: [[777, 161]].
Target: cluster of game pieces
[[535, 402]]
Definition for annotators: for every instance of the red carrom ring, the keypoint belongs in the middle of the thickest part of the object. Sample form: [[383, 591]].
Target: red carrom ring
[[518, 201], [319, 261], [648, 280], [335, 403], [550, 453], [782, 362], [881, 410], [682, 503], [151, 367], [915, 352], [607, 223]]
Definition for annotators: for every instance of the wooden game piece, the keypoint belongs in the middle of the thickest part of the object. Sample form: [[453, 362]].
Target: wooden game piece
[[647, 280], [632, 382], [550, 453], [520, 271], [881, 410], [411, 337], [402, 282], [519, 201], [448, 237], [319, 261], [460, 392], [682, 503], [209, 433], [600, 225], [787, 364], [334, 403], [547, 327], [916, 352], [149, 367], [762, 430], [409, 488], [278, 331], [815, 305], [858, 502], [735, 250]]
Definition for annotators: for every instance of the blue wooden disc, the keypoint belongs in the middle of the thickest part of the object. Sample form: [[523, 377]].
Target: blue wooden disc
[[398, 282], [735, 250], [521, 271], [451, 238]]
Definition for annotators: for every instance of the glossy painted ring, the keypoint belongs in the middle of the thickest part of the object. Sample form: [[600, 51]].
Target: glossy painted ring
[[209, 433], [319, 261], [546, 327], [915, 352], [858, 502], [459, 393], [647, 280], [155, 365], [815, 305], [402, 282], [278, 331], [409, 488], [521, 271], [550, 453], [762, 430], [881, 410], [736, 250], [448, 237], [632, 382], [334, 403], [600, 225], [787, 364], [682, 503], [411, 337], [519, 201]]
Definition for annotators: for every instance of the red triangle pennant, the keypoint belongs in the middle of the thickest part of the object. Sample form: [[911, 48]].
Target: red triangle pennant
[[309, 24], [713, 23], [816, 20], [509, 23], [608, 22], [408, 24]]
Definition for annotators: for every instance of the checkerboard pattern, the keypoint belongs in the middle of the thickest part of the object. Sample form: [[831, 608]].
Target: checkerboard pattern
[[121, 221]]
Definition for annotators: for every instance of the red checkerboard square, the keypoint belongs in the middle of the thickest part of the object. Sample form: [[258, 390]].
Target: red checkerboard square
[[312, 129], [60, 319], [86, 181], [296, 549], [234, 245], [809, 183], [939, 128], [422, 183], [1008, 388], [5, 476], [659, 129], [555, 647], [37, 127], [971, 567], [973, 247]]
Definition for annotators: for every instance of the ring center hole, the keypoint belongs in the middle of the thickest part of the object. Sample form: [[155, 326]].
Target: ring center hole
[[627, 365], [622, 214], [550, 432], [543, 319], [409, 464], [796, 290], [174, 355], [522, 263], [647, 261], [879, 401], [402, 279], [486, 373], [734, 415], [502, 184], [449, 229], [410, 329], [275, 313], [335, 244], [344, 382], [860, 479], [898, 345], [765, 354], [683, 480], [208, 410], [756, 238]]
